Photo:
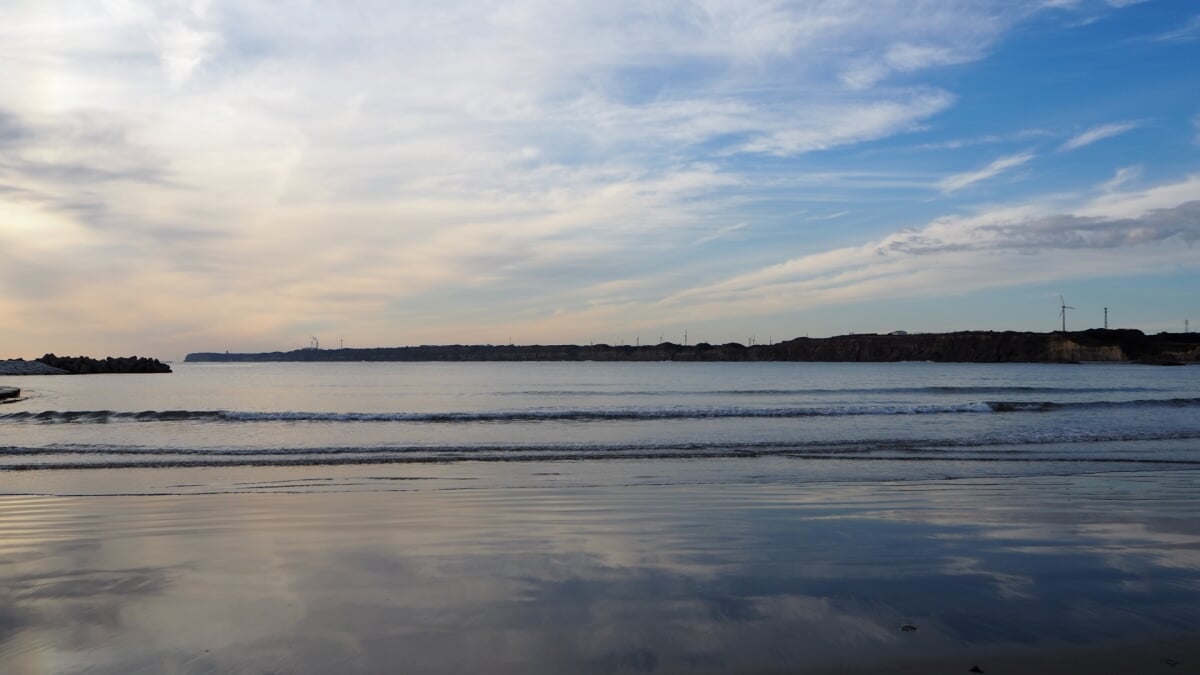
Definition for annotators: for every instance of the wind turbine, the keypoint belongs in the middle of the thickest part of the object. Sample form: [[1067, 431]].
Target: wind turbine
[[1063, 311]]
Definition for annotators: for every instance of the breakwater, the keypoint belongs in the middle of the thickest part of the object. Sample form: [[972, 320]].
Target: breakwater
[[82, 365], [86, 365], [966, 346]]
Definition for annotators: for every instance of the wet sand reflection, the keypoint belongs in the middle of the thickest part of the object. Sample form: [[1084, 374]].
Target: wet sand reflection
[[668, 578]]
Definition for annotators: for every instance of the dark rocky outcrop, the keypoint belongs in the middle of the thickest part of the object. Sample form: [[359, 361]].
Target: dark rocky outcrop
[[85, 365], [967, 346], [9, 393]]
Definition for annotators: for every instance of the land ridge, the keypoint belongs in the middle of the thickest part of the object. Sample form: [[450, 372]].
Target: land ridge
[[1104, 345]]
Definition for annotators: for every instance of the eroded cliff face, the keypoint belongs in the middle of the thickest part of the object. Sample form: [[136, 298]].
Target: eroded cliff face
[[972, 346], [1066, 349], [1181, 353]]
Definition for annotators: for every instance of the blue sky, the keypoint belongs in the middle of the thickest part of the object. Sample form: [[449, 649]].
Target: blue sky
[[206, 175]]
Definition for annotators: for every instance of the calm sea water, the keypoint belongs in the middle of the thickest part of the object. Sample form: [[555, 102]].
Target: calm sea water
[[844, 421]]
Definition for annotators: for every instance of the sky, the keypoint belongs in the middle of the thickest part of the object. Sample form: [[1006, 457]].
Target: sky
[[248, 176]]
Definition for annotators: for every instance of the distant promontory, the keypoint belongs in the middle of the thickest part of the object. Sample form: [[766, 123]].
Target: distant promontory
[[1124, 345]]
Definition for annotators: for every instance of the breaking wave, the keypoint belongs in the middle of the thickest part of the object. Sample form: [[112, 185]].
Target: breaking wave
[[1040, 447], [574, 414]]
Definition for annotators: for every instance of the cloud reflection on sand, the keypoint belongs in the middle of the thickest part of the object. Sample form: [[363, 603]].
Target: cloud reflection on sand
[[681, 578]]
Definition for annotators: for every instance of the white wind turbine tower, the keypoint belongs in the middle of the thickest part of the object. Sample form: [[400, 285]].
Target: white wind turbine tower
[[1063, 311]]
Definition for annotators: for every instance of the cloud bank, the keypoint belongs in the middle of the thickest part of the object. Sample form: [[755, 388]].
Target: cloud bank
[[1135, 232]]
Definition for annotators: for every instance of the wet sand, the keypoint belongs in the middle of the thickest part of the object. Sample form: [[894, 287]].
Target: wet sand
[[569, 567]]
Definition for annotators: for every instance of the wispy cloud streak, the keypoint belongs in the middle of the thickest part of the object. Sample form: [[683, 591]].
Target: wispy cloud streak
[[1097, 134], [961, 180], [1187, 32]]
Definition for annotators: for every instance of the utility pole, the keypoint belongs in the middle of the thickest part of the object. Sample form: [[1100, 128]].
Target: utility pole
[[1105, 318]]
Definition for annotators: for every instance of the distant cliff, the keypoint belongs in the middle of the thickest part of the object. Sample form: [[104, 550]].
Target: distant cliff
[[968, 346]]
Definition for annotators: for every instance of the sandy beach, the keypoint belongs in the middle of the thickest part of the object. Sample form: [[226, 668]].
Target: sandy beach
[[568, 570]]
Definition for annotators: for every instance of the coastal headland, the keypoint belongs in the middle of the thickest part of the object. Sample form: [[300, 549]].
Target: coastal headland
[[1123, 345]]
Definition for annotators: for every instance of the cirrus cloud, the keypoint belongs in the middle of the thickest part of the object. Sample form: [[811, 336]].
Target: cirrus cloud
[[1095, 134]]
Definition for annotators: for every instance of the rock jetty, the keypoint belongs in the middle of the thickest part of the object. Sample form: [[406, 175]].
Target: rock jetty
[[81, 365], [85, 365], [967, 346]]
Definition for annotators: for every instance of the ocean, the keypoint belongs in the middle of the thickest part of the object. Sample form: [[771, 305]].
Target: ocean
[[845, 421], [595, 517]]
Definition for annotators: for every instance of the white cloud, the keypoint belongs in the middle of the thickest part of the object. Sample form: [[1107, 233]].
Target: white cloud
[[998, 166], [1097, 134], [1121, 177], [828, 216], [183, 49], [1185, 33], [944, 35], [904, 57], [988, 139], [721, 233], [824, 127]]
